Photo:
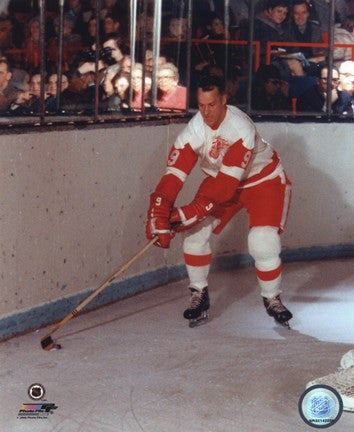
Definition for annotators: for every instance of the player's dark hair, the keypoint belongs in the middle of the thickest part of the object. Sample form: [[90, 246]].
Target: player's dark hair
[[209, 82]]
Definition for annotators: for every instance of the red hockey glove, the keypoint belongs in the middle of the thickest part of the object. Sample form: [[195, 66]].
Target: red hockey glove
[[158, 220], [183, 218]]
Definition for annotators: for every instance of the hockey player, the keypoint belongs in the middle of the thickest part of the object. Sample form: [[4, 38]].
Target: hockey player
[[242, 171]]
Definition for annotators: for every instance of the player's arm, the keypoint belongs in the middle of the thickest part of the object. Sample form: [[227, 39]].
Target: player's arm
[[215, 191], [180, 163]]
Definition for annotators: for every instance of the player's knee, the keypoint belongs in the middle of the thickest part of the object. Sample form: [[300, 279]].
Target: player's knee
[[264, 243]]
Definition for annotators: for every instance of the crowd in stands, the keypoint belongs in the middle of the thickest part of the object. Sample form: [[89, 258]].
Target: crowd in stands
[[290, 78]]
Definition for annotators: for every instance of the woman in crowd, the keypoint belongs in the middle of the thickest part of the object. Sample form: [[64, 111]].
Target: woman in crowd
[[171, 95]]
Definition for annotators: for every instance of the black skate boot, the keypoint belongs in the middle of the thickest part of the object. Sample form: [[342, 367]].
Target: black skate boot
[[197, 313], [277, 310]]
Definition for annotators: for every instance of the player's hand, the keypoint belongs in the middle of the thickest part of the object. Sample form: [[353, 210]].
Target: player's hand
[[158, 223], [186, 217]]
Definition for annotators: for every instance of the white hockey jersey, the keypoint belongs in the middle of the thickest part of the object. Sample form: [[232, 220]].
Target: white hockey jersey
[[259, 161]]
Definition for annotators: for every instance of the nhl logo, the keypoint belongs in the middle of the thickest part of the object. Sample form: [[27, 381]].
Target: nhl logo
[[36, 391]]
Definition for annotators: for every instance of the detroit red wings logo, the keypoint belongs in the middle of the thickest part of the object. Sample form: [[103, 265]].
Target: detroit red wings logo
[[219, 145]]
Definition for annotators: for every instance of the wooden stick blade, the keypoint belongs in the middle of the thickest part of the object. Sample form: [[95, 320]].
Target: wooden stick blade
[[47, 343]]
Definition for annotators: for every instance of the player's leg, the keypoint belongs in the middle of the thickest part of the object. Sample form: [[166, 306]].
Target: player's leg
[[268, 205], [197, 256]]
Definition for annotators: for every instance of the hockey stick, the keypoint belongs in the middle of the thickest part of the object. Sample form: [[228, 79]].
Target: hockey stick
[[47, 342]]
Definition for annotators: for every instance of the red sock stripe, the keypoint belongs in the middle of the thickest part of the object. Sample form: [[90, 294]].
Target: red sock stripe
[[269, 275], [197, 260]]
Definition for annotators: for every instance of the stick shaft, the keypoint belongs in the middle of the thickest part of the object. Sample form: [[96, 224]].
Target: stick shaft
[[102, 286]]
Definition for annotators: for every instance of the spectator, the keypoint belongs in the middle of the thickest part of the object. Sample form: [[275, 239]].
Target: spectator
[[270, 92], [111, 25], [121, 86], [269, 25], [171, 95], [89, 37], [83, 82], [137, 86], [315, 98], [178, 28], [7, 91], [20, 105], [69, 101], [346, 74], [301, 30], [126, 64], [31, 45], [216, 28], [149, 60], [118, 9], [112, 45], [74, 10], [72, 43], [343, 34], [110, 99], [6, 30]]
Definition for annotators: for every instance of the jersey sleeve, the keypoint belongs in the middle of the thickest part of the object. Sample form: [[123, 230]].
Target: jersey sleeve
[[235, 163], [180, 162]]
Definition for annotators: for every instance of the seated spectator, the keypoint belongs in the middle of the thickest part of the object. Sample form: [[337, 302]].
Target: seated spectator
[[6, 32], [89, 37], [31, 46], [171, 95], [119, 9], [270, 92], [35, 92], [301, 30], [176, 49], [346, 75], [83, 83], [69, 101], [178, 28], [125, 64], [74, 10], [113, 44], [137, 86], [7, 91], [343, 34], [216, 28], [269, 25], [149, 60], [110, 99], [315, 98], [20, 105], [111, 25], [19, 76], [71, 43], [121, 87]]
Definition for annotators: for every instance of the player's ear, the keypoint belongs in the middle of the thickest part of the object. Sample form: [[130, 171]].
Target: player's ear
[[224, 99]]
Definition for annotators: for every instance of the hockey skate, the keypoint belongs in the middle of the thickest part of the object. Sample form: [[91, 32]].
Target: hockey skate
[[197, 313], [277, 310]]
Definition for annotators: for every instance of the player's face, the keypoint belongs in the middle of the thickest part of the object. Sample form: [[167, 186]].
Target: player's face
[[212, 106]]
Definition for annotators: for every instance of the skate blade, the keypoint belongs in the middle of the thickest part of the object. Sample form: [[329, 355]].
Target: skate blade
[[196, 322], [284, 324]]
